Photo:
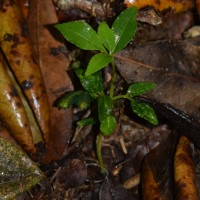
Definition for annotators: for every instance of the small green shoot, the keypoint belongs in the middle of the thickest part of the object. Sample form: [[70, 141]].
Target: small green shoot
[[106, 41]]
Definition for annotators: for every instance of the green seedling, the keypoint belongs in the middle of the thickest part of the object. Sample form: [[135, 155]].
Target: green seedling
[[106, 42]]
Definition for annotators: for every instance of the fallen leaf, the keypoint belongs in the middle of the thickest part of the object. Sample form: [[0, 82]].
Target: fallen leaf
[[157, 171], [198, 6], [184, 171], [51, 55], [4, 133], [176, 6], [12, 111], [24, 5], [15, 43], [17, 172], [172, 27], [173, 66]]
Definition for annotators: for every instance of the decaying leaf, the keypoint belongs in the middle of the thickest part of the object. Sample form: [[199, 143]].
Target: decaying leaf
[[198, 6], [177, 6], [184, 171], [4, 133], [15, 43], [157, 172], [174, 27], [24, 5], [53, 62], [173, 66], [17, 172], [12, 111]]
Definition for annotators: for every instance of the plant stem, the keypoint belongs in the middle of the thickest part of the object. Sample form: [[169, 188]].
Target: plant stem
[[120, 97], [99, 153], [112, 86]]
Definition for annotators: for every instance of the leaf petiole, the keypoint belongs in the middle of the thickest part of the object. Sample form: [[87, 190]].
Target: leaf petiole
[[122, 97]]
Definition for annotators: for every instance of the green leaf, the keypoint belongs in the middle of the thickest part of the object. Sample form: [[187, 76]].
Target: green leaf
[[81, 34], [124, 28], [98, 62], [92, 83], [80, 99], [140, 88], [86, 122], [105, 107], [144, 111], [108, 125], [106, 36], [17, 172]]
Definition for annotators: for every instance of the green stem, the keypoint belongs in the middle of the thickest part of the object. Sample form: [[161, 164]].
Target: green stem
[[99, 153], [120, 97], [124, 96], [112, 86]]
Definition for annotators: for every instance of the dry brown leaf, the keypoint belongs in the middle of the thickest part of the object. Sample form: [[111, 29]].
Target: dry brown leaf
[[53, 62], [173, 66], [172, 27], [157, 171]]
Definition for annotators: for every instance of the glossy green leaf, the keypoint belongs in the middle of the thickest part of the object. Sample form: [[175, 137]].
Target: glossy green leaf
[[105, 107], [92, 83], [80, 99], [81, 34], [17, 172], [86, 122], [140, 88], [124, 28], [98, 62], [108, 125], [144, 111], [106, 36]]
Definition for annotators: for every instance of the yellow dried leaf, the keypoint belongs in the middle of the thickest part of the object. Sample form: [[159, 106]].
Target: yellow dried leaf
[[177, 6], [15, 43], [184, 171], [12, 111]]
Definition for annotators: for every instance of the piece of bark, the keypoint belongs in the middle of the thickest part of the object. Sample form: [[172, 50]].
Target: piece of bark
[[50, 54]]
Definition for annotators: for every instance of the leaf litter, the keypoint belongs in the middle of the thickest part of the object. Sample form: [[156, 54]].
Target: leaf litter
[[76, 175]]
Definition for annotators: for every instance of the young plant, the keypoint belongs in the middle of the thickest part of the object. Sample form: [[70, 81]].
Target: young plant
[[106, 42]]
